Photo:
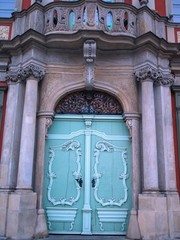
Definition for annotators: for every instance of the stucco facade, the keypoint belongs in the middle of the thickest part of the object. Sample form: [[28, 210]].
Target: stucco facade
[[133, 58]]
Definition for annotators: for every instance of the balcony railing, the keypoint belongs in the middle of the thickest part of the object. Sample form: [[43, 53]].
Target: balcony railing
[[116, 19]]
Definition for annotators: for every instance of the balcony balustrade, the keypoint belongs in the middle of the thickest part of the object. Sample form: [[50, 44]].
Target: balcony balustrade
[[71, 17]]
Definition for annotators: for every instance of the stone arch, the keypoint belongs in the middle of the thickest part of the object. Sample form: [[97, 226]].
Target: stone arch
[[122, 98], [89, 102]]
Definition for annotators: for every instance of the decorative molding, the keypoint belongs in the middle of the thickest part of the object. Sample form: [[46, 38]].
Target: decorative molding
[[128, 118], [129, 126], [89, 102], [67, 215], [166, 80], [91, 16], [112, 215], [89, 56], [23, 74], [149, 73], [70, 145], [103, 146], [143, 2], [48, 124]]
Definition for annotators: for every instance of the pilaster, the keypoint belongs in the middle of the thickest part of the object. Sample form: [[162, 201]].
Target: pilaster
[[132, 122], [44, 121]]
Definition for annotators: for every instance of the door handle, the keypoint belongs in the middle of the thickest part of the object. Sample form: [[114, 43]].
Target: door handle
[[93, 182], [79, 181]]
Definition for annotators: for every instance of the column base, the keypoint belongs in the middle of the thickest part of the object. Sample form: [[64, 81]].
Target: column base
[[133, 227], [158, 216], [22, 215], [4, 196], [173, 206], [41, 226]]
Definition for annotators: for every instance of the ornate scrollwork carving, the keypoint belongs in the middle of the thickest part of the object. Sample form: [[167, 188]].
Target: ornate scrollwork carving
[[48, 124], [23, 73], [166, 80], [70, 145], [155, 75], [89, 102], [148, 73], [129, 126], [90, 16], [104, 146], [89, 56]]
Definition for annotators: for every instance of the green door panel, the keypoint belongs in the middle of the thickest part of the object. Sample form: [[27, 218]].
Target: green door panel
[[87, 183]]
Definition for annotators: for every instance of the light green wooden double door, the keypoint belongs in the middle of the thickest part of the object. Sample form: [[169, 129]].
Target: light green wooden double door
[[87, 181]]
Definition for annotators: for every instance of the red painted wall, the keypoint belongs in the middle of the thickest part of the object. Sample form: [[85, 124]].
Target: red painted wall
[[26, 4], [128, 1], [176, 143], [175, 33], [160, 6]]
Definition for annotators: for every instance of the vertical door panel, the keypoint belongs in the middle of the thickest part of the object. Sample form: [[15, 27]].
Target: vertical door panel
[[111, 198], [64, 175]]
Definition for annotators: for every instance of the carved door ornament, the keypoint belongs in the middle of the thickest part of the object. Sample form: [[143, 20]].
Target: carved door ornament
[[88, 102]]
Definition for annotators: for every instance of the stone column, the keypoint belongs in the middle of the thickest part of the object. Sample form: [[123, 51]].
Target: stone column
[[165, 141], [10, 146], [22, 203], [44, 122], [132, 122], [26, 157], [166, 158], [11, 137], [152, 204], [147, 76]]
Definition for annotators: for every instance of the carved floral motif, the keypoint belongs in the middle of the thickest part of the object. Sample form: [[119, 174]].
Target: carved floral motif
[[89, 102], [89, 56], [155, 75], [23, 73]]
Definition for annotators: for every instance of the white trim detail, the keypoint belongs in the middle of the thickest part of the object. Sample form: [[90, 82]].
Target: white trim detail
[[71, 145], [111, 215], [103, 146], [61, 215]]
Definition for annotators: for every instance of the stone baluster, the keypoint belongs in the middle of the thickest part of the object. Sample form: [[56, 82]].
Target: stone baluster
[[147, 76], [33, 76]]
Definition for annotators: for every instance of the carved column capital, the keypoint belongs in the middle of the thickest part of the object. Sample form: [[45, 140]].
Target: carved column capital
[[166, 80], [89, 56], [128, 118], [155, 75], [148, 74], [48, 116], [22, 74]]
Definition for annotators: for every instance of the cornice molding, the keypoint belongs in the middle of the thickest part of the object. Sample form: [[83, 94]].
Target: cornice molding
[[76, 40], [149, 73], [23, 74]]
